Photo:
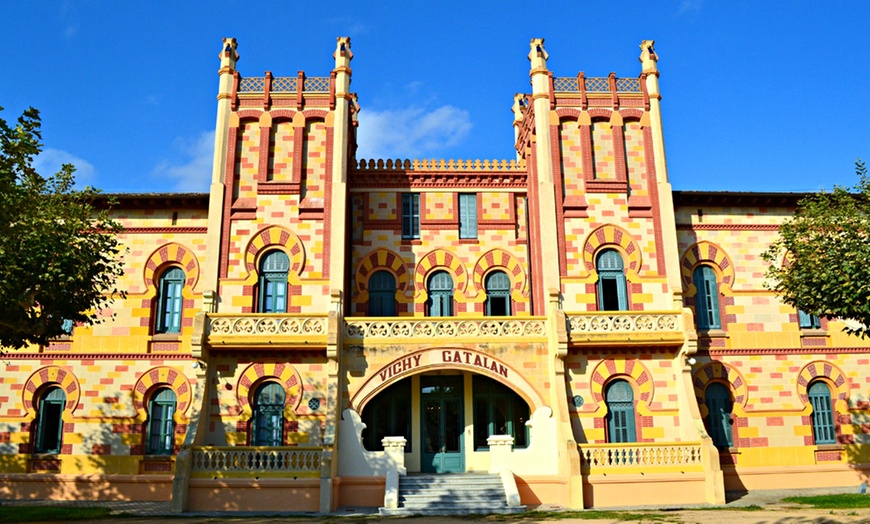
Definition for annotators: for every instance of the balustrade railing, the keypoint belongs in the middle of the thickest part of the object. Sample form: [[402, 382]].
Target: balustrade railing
[[284, 84], [266, 324], [445, 328], [230, 459], [634, 456], [602, 323], [597, 84]]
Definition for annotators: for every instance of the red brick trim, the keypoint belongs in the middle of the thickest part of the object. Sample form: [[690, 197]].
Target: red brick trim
[[728, 227], [166, 229], [94, 356], [787, 351], [652, 181]]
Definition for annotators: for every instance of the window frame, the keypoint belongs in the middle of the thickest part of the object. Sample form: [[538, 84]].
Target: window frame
[[823, 414], [708, 314], [468, 216], [170, 301], [394, 403], [410, 216], [272, 282], [808, 320], [497, 293], [611, 279], [381, 297], [160, 427], [55, 397], [621, 413], [440, 302], [489, 392], [264, 431], [720, 415]]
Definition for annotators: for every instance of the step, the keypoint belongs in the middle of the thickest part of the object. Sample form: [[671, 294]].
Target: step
[[451, 495], [451, 510]]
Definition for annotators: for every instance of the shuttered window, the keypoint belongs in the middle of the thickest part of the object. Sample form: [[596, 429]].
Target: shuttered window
[[718, 401], [410, 215], [382, 294], [468, 215], [611, 282], [440, 295], [823, 413], [620, 412], [273, 282], [268, 427], [169, 301], [49, 421], [808, 320], [161, 424], [707, 298]]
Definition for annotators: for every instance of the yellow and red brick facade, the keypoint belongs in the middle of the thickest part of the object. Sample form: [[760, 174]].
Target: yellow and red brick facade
[[590, 178]]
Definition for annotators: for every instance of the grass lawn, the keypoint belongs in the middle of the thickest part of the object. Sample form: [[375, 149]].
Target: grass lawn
[[842, 501], [50, 513]]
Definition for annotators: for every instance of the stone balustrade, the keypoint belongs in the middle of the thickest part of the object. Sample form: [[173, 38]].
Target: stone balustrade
[[266, 329], [532, 328], [625, 327], [228, 461], [646, 457]]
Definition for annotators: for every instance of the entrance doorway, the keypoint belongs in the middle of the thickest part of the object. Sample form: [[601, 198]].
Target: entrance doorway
[[443, 423]]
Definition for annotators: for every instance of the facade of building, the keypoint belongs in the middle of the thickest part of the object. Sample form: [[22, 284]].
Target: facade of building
[[318, 325]]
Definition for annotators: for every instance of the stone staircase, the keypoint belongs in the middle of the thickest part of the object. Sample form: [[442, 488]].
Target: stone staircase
[[451, 495]]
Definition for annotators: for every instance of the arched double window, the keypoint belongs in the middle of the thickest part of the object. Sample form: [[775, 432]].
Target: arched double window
[[382, 294], [161, 423], [273, 282], [611, 281], [268, 423], [440, 291], [498, 294], [169, 301], [707, 298], [718, 401], [823, 413], [619, 397], [49, 420]]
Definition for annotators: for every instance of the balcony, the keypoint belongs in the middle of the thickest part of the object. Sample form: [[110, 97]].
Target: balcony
[[266, 330], [625, 327], [431, 329], [261, 462]]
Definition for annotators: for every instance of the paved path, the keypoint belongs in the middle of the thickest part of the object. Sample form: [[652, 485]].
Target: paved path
[[774, 512]]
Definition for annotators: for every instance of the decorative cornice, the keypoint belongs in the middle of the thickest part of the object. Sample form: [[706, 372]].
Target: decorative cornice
[[728, 227], [96, 356], [812, 350], [167, 229]]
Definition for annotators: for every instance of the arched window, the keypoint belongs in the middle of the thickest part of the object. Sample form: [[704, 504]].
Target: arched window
[[620, 412], [611, 282], [161, 424], [169, 301], [498, 411], [718, 401], [268, 426], [498, 294], [382, 294], [440, 295], [273, 282], [49, 420], [388, 415], [707, 298], [823, 413]]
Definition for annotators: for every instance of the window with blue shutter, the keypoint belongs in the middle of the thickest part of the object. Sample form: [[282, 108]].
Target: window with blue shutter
[[808, 320], [170, 301], [619, 398], [49, 421], [273, 282], [823, 413], [161, 423], [268, 423], [440, 291], [611, 282], [498, 294], [410, 215], [467, 215], [718, 401], [706, 298], [382, 294]]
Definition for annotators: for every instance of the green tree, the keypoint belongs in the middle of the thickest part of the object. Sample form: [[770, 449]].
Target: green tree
[[59, 252], [821, 261]]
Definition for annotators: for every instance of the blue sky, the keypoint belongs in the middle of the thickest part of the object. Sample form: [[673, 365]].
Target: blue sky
[[757, 96]]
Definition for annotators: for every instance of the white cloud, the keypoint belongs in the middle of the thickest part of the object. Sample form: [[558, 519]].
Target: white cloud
[[50, 160], [192, 172], [412, 132], [690, 6]]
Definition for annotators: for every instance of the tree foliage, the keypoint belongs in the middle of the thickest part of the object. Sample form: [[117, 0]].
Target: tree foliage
[[821, 262], [59, 253]]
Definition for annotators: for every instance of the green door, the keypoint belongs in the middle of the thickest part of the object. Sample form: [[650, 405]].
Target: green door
[[441, 401]]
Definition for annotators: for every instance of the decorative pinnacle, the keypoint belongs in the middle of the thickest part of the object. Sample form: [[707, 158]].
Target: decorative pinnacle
[[538, 55], [648, 56], [342, 49], [229, 50]]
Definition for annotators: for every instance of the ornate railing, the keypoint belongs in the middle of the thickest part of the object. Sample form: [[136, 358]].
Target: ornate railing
[[440, 165], [625, 325], [529, 328], [279, 328], [665, 456], [294, 461], [597, 84], [284, 84]]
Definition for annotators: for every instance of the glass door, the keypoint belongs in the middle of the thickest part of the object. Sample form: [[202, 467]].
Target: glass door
[[441, 401]]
